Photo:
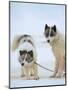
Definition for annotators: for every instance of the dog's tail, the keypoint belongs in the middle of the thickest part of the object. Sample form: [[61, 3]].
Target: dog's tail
[[15, 42], [24, 38]]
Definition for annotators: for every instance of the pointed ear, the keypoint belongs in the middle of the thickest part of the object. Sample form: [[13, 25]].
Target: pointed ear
[[54, 28], [20, 52], [46, 26], [31, 53]]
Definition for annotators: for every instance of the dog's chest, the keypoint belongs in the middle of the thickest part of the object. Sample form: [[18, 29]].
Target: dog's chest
[[58, 49]]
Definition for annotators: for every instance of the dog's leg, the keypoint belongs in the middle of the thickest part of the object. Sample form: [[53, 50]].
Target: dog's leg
[[63, 75], [32, 72], [36, 77], [56, 69], [27, 75], [61, 68], [22, 72]]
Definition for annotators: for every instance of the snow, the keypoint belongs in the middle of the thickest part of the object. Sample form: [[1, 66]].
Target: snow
[[42, 82]]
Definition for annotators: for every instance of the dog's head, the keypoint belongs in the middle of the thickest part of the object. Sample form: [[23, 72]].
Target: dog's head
[[50, 33], [25, 57]]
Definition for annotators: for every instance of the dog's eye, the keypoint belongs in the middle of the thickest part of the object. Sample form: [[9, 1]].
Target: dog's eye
[[29, 59], [52, 33], [30, 53], [22, 52], [46, 34]]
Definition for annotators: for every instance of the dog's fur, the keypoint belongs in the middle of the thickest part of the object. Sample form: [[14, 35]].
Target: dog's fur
[[27, 55], [55, 39]]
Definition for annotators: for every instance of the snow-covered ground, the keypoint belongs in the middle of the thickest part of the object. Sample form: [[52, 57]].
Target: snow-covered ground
[[42, 82]]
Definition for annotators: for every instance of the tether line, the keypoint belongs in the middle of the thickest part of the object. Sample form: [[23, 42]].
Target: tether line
[[43, 67]]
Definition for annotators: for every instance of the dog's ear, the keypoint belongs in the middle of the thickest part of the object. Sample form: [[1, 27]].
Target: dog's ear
[[46, 26], [54, 28], [22, 52], [30, 53]]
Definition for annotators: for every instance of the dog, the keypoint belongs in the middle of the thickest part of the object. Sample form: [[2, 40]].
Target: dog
[[26, 56], [55, 39]]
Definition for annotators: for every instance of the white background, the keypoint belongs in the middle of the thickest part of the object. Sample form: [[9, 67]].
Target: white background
[[4, 44]]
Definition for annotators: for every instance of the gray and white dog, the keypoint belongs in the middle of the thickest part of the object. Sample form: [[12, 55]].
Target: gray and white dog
[[55, 39], [27, 55]]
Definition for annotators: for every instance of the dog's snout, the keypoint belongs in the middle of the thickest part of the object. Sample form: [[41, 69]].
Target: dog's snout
[[22, 64], [48, 41]]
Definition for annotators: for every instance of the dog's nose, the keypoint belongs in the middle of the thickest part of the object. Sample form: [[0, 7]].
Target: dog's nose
[[22, 64], [48, 41]]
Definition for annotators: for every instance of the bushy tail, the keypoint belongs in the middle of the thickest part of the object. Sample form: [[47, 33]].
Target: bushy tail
[[15, 43], [17, 40]]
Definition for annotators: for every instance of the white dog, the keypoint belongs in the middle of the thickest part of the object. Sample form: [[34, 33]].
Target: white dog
[[55, 39], [27, 55]]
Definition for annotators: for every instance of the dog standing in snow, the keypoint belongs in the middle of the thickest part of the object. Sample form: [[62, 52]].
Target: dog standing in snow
[[27, 55], [55, 39]]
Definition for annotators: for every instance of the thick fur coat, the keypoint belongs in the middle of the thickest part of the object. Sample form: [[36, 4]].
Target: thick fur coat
[[27, 56]]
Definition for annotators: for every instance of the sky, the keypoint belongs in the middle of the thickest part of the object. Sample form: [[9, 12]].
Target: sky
[[28, 18]]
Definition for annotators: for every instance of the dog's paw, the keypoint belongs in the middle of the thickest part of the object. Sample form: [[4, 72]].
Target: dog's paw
[[53, 76], [28, 78], [36, 78], [58, 76], [22, 75]]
